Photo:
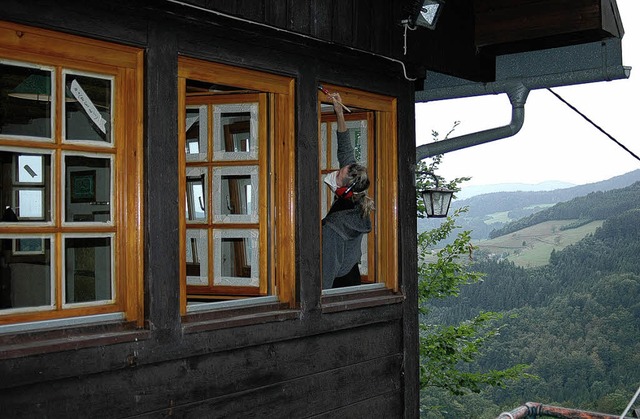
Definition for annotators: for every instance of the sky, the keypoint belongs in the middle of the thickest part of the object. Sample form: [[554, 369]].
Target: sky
[[555, 143]]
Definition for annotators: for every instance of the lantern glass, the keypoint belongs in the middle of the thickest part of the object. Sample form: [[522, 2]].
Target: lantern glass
[[437, 202]]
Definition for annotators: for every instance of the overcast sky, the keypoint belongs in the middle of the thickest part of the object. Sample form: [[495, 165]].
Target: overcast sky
[[555, 143]]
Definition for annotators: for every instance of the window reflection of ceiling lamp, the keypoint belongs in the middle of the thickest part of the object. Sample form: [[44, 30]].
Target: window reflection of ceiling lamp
[[35, 87]]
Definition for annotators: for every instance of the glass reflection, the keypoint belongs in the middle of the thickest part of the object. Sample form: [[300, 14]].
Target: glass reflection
[[26, 188], [25, 101], [236, 128], [196, 197], [237, 189], [197, 259], [25, 272], [88, 269], [30, 168], [88, 114], [87, 189], [30, 204], [196, 133], [236, 257], [236, 131]]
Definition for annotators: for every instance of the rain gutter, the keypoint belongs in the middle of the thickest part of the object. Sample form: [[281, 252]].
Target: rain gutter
[[517, 75]]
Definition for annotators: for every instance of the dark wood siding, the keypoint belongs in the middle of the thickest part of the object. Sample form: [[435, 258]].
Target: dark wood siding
[[370, 25], [351, 363], [311, 375]]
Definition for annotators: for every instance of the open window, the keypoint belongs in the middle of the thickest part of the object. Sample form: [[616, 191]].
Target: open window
[[235, 220], [372, 130], [70, 149]]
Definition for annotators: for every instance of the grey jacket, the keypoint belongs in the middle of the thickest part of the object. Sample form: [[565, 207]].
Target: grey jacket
[[342, 230]]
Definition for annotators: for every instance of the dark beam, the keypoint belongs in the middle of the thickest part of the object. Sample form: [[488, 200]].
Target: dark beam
[[509, 26], [450, 48]]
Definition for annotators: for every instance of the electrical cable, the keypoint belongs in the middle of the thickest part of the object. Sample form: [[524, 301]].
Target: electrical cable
[[226, 15], [594, 124]]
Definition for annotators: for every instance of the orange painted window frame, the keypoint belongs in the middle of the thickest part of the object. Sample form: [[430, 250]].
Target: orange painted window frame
[[383, 248], [62, 51], [277, 199]]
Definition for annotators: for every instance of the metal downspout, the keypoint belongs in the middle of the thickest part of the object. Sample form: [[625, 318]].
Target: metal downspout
[[517, 93], [516, 75]]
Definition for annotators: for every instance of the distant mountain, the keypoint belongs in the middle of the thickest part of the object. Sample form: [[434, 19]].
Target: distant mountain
[[549, 185], [492, 211], [511, 200]]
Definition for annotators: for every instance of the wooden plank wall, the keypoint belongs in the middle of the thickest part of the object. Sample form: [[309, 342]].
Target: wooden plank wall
[[355, 363], [370, 25]]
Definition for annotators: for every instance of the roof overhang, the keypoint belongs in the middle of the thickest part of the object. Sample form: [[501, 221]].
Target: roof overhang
[[518, 46], [474, 41], [570, 65]]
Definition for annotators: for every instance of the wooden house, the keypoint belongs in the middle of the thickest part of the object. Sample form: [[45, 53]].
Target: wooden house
[[161, 166]]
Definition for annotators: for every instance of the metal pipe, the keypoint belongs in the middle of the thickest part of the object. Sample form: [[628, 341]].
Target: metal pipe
[[516, 75], [517, 93]]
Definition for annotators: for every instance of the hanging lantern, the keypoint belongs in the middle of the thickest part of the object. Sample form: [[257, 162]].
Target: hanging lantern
[[436, 200]]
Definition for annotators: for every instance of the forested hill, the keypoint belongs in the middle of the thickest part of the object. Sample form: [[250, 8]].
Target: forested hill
[[613, 249], [593, 206], [575, 321]]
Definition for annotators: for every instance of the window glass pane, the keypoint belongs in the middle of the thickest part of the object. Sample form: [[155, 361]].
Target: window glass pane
[[236, 131], [197, 257], [364, 262], [196, 139], [25, 101], [88, 275], [236, 258], [235, 191], [30, 204], [324, 148], [358, 134], [25, 272], [196, 194], [25, 189], [87, 189], [30, 168], [88, 110]]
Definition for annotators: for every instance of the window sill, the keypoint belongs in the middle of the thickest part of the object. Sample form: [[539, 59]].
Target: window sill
[[228, 317], [355, 298], [40, 342]]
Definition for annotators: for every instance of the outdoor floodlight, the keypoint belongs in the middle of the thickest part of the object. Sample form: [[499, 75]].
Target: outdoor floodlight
[[428, 14]]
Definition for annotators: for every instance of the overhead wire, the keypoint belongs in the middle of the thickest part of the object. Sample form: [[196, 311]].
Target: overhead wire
[[594, 124]]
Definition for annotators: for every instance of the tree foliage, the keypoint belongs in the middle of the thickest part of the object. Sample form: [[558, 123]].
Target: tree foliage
[[574, 321], [447, 351]]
